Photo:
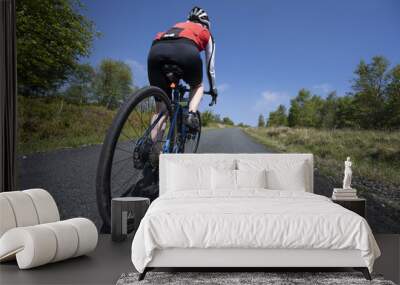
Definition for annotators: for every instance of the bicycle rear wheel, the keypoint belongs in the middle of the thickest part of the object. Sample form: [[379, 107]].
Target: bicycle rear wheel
[[119, 172]]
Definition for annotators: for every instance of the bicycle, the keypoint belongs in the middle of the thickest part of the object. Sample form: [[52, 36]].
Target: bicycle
[[128, 164]]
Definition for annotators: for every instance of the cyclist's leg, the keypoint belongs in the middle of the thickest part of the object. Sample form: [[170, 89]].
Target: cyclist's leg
[[157, 56], [195, 97], [158, 131], [193, 75]]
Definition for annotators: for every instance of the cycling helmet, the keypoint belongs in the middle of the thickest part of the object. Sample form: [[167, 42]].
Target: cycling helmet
[[200, 16]]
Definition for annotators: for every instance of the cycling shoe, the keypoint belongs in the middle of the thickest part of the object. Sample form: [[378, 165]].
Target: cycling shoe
[[192, 121], [155, 153]]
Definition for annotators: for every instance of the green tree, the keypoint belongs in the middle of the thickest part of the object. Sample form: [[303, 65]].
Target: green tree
[[80, 84], [207, 117], [314, 111], [243, 125], [294, 113], [329, 111], [305, 110], [261, 121], [297, 114], [217, 118], [344, 117], [52, 35], [113, 82], [392, 108], [373, 103], [227, 121], [369, 92], [278, 117]]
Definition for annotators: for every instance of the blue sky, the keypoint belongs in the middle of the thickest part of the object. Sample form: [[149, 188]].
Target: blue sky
[[265, 50]]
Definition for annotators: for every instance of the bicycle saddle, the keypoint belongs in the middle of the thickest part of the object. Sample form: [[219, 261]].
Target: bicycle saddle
[[173, 72]]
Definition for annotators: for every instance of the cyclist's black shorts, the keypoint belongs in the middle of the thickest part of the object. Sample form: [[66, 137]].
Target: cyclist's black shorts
[[182, 52]]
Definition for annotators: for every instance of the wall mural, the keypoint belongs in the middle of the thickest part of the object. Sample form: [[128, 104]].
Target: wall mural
[[86, 127]]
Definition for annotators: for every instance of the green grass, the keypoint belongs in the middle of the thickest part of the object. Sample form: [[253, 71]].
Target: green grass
[[375, 154], [215, 125], [47, 124]]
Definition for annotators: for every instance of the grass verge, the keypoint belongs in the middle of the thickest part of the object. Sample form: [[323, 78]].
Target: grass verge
[[215, 125], [375, 154], [47, 124]]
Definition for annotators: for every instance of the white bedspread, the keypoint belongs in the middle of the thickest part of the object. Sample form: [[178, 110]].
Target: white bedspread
[[250, 219]]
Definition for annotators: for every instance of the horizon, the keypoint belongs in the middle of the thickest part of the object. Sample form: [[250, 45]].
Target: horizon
[[310, 45]]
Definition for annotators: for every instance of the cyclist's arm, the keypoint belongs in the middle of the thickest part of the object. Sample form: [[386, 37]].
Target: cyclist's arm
[[210, 58]]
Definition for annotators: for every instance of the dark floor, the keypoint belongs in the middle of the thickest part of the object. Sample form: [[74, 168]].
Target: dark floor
[[110, 260], [103, 266]]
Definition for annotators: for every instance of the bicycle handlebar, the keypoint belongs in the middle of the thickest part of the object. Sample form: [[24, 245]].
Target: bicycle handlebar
[[214, 98]]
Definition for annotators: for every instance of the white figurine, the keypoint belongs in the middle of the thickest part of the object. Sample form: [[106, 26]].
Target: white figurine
[[347, 174]]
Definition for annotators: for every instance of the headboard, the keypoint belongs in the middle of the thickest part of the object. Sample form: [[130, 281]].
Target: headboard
[[224, 158]]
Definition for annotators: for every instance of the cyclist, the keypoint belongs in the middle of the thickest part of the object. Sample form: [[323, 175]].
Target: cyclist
[[182, 45]]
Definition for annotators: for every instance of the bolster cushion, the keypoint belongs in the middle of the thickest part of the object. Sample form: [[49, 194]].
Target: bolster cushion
[[40, 244], [26, 208]]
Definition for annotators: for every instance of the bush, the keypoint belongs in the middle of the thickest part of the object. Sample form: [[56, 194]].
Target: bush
[[49, 123], [207, 117], [227, 121], [376, 154]]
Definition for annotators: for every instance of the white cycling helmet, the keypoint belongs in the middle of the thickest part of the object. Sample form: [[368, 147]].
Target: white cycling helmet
[[199, 15]]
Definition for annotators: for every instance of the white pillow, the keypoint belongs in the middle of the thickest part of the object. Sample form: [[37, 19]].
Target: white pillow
[[281, 174], [251, 178], [183, 177], [292, 179], [223, 179]]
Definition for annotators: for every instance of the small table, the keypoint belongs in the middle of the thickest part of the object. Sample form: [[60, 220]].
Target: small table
[[358, 205], [126, 214]]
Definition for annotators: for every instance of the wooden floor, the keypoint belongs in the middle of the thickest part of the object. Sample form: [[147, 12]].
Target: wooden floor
[[110, 260]]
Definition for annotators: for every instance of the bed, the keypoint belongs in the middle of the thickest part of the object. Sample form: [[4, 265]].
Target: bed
[[247, 210]]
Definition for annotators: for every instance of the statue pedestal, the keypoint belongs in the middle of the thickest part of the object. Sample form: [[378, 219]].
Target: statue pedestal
[[344, 190], [344, 194]]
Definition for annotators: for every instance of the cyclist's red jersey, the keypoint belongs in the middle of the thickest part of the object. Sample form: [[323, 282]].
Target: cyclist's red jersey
[[193, 31]]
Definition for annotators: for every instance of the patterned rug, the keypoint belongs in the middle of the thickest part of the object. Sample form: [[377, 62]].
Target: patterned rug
[[233, 278]]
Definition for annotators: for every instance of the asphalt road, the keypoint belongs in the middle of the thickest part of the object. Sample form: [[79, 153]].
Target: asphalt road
[[69, 174]]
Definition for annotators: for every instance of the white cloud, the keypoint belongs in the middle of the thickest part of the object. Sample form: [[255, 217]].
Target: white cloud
[[223, 87], [136, 66], [271, 96], [323, 88], [270, 100], [139, 71]]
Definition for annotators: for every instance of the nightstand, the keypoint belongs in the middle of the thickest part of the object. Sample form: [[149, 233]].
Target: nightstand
[[126, 214], [358, 205]]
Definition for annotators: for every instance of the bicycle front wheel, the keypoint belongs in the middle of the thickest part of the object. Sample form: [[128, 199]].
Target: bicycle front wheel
[[125, 166]]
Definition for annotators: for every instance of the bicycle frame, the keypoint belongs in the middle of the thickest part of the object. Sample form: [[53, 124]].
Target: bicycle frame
[[179, 106]]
